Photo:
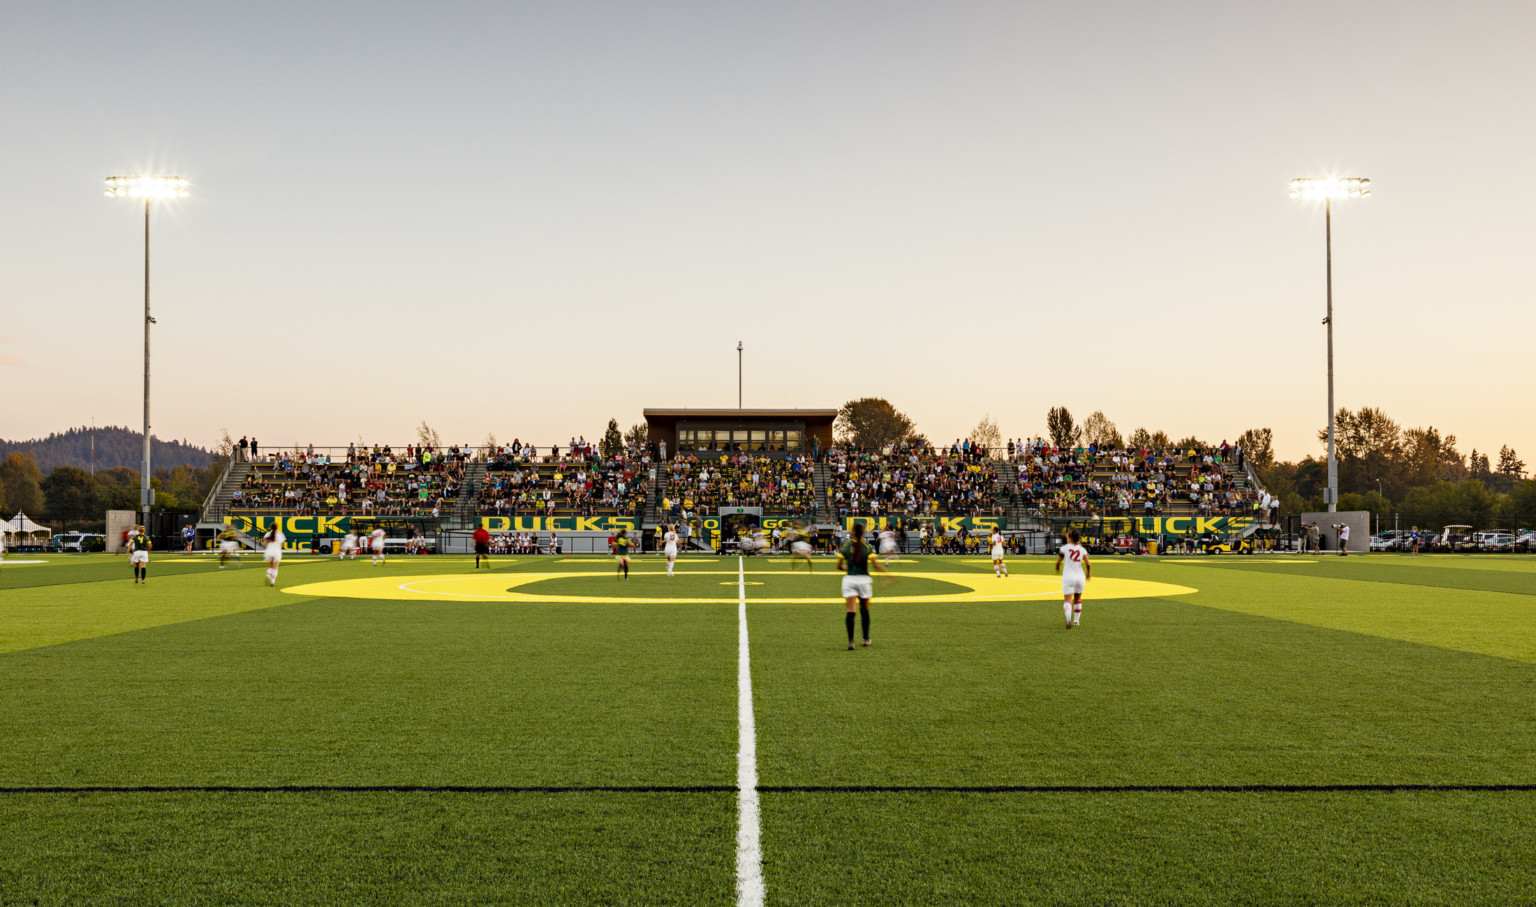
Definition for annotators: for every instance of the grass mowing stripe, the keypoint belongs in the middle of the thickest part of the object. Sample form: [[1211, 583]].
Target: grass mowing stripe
[[749, 832], [1508, 582], [1141, 788], [774, 789], [378, 789]]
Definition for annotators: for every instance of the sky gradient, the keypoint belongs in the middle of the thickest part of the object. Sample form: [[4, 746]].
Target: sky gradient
[[526, 218]]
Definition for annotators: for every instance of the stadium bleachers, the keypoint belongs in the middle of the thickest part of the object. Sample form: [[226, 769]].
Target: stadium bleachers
[[782, 486], [910, 480], [580, 481], [1028, 481], [1090, 481], [380, 481]]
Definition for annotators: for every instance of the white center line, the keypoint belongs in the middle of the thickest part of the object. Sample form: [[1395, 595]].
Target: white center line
[[749, 850]]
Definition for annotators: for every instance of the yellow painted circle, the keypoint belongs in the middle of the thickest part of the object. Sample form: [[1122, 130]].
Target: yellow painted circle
[[982, 587]]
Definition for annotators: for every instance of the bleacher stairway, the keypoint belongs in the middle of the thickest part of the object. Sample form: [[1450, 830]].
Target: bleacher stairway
[[463, 518], [217, 504], [822, 478]]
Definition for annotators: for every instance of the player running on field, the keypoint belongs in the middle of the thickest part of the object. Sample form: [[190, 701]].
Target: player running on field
[[858, 588], [376, 544], [669, 545], [799, 548], [888, 549], [348, 547], [273, 554], [1072, 564], [999, 566], [138, 555], [621, 543]]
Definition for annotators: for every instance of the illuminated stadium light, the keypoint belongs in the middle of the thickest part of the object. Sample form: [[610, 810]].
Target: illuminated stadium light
[[147, 186], [1330, 187]]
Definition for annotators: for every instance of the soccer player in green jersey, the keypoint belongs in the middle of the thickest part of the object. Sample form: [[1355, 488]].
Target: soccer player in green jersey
[[858, 588], [138, 555], [621, 551], [229, 547]]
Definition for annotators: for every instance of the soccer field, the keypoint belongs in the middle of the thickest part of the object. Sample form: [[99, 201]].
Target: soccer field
[[1218, 730]]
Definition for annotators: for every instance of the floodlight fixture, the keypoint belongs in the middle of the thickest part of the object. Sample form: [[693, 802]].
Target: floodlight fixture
[[1329, 187], [149, 188]]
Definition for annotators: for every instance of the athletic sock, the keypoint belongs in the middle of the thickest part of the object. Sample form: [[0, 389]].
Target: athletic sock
[[849, 621], [864, 619], [1066, 608], [1077, 613]]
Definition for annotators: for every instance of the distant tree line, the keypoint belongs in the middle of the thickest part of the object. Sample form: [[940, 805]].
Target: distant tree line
[[1418, 474], [115, 446], [68, 496]]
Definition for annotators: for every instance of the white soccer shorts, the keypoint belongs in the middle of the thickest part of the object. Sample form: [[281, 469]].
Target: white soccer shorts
[[858, 586], [1073, 585], [139, 557]]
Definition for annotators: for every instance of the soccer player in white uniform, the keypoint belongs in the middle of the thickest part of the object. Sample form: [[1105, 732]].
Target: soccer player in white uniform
[[888, 545], [999, 568], [376, 542], [348, 546], [1072, 564], [273, 540], [669, 544]]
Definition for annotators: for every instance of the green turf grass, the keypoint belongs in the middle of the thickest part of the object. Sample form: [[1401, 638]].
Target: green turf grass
[[1359, 671]]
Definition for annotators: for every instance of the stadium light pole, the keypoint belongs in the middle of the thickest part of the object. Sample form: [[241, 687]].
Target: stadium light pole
[[148, 188], [738, 374], [1328, 189]]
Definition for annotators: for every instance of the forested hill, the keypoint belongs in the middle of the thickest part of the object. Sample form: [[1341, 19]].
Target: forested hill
[[114, 447]]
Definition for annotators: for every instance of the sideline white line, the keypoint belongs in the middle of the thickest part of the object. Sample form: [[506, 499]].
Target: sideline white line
[[749, 850]]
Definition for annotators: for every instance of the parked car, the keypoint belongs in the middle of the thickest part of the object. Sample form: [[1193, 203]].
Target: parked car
[[1453, 537], [82, 541], [1526, 541], [1389, 540], [1497, 540]]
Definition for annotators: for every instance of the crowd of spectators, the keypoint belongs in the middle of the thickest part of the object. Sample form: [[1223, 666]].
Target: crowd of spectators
[[911, 478], [778, 485], [581, 480], [1112, 481], [416, 481]]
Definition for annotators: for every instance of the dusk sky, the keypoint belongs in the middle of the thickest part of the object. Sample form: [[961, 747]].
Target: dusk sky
[[526, 218]]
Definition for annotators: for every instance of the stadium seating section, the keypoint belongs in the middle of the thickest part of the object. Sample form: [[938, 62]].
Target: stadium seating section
[[1031, 479], [579, 481], [785, 486], [378, 482]]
